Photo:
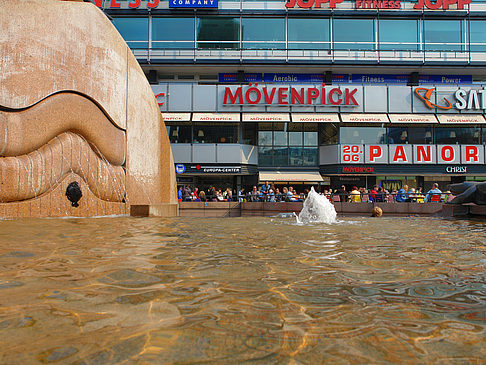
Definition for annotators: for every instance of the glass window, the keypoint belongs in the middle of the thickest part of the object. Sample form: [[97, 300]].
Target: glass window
[[356, 34], [443, 35], [263, 33], [216, 132], [295, 134], [295, 156], [265, 156], [133, 30], [310, 156], [308, 33], [398, 34], [173, 32], [265, 137], [249, 133], [412, 135], [478, 35], [361, 135], [328, 133], [218, 32], [457, 135], [484, 135], [280, 134], [179, 133], [310, 134], [280, 156]]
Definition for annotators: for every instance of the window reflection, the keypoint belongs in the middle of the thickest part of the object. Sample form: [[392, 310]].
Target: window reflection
[[218, 32], [133, 30], [362, 135], [308, 33], [216, 132], [354, 34], [328, 133], [263, 33], [443, 35], [457, 135], [398, 34], [412, 135], [179, 133], [249, 133], [170, 33]]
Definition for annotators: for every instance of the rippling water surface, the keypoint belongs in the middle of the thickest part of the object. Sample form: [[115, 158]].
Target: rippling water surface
[[257, 290]]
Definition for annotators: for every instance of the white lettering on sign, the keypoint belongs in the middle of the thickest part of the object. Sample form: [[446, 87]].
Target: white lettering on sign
[[352, 153]]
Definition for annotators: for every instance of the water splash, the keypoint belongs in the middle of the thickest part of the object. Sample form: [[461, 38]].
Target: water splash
[[317, 209]]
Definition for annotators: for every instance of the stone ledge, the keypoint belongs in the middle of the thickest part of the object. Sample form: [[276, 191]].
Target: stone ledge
[[155, 210]]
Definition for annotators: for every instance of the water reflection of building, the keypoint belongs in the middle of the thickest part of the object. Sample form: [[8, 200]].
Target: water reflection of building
[[289, 127]]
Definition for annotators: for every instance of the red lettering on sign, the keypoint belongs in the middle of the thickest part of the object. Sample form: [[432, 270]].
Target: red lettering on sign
[[437, 4], [375, 152], [358, 169], [282, 96], [472, 154], [349, 96], [297, 95], [312, 93], [447, 157], [99, 3], [306, 4], [156, 96], [331, 99], [153, 4], [424, 154], [135, 4], [114, 4], [268, 98], [238, 94], [319, 2], [400, 154]]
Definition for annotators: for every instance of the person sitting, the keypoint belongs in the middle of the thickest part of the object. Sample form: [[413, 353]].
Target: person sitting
[[355, 195], [373, 193], [380, 195], [432, 193], [271, 195], [402, 195], [202, 196]]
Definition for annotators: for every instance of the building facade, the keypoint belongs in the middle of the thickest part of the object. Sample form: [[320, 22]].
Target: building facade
[[315, 92]]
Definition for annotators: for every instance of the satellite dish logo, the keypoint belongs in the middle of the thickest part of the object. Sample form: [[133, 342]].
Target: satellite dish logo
[[426, 99]]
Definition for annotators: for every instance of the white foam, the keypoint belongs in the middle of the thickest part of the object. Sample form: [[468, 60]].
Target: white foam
[[317, 209]]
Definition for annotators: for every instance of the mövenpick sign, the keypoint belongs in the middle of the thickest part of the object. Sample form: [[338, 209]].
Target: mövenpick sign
[[290, 96]]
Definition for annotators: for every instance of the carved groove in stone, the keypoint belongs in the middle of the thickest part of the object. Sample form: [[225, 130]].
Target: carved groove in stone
[[31, 175], [27, 129]]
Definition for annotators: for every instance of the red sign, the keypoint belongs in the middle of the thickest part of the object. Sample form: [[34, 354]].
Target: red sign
[[312, 3], [290, 96], [437, 4], [133, 4], [358, 170]]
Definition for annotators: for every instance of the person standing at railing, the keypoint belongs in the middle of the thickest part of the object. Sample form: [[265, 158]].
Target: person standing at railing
[[355, 195], [264, 190]]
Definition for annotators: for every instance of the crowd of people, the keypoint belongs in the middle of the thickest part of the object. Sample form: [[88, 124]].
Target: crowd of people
[[269, 193]]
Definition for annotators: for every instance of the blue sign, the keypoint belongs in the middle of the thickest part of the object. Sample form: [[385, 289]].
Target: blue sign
[[233, 77], [180, 168], [304, 78], [445, 79], [404, 79], [193, 3]]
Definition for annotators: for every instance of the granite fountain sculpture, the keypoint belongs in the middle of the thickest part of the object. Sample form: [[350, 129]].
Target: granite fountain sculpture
[[75, 106]]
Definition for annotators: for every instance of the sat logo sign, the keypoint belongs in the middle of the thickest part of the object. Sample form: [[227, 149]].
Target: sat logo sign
[[180, 168]]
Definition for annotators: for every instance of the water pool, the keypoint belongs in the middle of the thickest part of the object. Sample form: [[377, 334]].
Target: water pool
[[257, 290]]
